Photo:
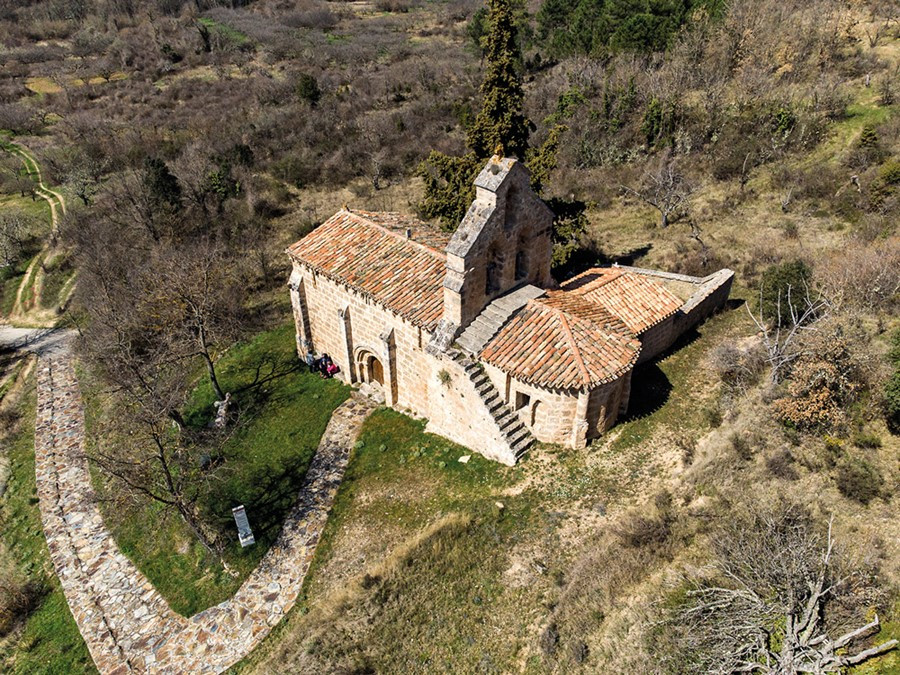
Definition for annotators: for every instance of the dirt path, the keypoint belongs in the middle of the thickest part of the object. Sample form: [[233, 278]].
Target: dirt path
[[35, 271], [125, 622]]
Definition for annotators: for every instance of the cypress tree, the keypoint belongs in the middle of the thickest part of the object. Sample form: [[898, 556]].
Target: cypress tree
[[501, 123]]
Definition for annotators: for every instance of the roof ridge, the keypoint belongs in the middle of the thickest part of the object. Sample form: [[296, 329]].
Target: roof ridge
[[576, 352], [381, 228], [606, 278]]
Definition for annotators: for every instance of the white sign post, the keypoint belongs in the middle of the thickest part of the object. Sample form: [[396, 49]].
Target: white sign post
[[245, 534]]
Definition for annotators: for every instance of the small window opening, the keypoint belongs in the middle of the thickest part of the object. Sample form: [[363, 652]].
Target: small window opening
[[521, 265], [522, 400]]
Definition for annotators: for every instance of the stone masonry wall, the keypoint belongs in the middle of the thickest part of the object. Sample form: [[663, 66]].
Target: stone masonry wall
[[603, 407], [505, 220], [457, 412], [548, 415], [711, 294], [365, 322], [657, 339]]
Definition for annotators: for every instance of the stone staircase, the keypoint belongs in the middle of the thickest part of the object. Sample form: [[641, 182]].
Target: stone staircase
[[491, 319], [511, 428]]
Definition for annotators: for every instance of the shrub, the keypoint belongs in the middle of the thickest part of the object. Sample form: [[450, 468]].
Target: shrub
[[639, 531], [822, 384], [741, 445], [713, 416], [308, 89], [868, 440], [777, 282], [8, 419], [738, 367], [18, 597], [892, 403], [858, 480], [781, 465], [550, 639]]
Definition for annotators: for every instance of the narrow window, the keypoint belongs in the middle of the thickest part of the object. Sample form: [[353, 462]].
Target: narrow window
[[521, 265], [493, 271]]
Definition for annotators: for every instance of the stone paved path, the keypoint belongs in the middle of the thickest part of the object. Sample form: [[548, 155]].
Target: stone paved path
[[127, 625]]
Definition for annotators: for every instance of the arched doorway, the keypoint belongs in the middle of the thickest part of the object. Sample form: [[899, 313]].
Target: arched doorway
[[369, 368]]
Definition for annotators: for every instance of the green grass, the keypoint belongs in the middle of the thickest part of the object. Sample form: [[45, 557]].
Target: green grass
[[226, 31], [56, 276], [28, 299], [11, 278], [38, 208], [888, 664], [285, 410], [400, 480], [49, 642]]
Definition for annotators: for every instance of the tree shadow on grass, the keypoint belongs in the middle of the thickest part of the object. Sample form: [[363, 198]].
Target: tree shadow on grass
[[248, 387], [267, 496]]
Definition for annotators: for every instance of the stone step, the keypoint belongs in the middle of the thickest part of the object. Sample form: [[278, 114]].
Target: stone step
[[521, 447], [505, 419], [513, 437], [484, 389], [478, 378], [491, 319], [492, 402], [477, 334]]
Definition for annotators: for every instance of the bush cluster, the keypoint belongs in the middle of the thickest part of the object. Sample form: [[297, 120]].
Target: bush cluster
[[823, 382]]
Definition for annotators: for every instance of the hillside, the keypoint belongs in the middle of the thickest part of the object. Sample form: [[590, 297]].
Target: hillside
[[157, 159]]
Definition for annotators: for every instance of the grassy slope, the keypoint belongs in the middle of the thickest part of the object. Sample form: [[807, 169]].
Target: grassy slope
[[478, 604], [443, 609], [49, 642], [264, 465]]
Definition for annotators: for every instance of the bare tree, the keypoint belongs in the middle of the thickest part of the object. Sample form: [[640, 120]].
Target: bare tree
[[150, 459], [777, 599], [781, 337], [665, 189], [206, 293], [14, 231]]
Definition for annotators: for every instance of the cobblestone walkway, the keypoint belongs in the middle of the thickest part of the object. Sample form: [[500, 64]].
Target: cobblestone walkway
[[127, 625]]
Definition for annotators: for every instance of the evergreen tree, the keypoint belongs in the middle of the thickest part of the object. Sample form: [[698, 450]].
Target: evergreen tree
[[161, 184], [449, 186], [501, 122]]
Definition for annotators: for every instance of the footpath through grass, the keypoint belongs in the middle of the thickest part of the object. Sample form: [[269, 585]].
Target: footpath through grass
[[434, 606], [49, 642], [284, 411]]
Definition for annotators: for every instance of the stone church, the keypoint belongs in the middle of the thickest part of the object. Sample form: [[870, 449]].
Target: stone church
[[470, 330]]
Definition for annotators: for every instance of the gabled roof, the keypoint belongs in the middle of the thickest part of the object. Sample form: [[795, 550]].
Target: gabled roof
[[639, 301], [560, 341], [371, 253]]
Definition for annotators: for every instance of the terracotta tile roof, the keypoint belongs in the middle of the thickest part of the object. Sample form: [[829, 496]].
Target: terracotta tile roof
[[370, 253], [398, 223], [640, 301], [560, 341]]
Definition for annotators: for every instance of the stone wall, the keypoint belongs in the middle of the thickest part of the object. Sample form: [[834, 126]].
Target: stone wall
[[339, 315], [709, 294], [457, 412], [503, 242], [551, 415]]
